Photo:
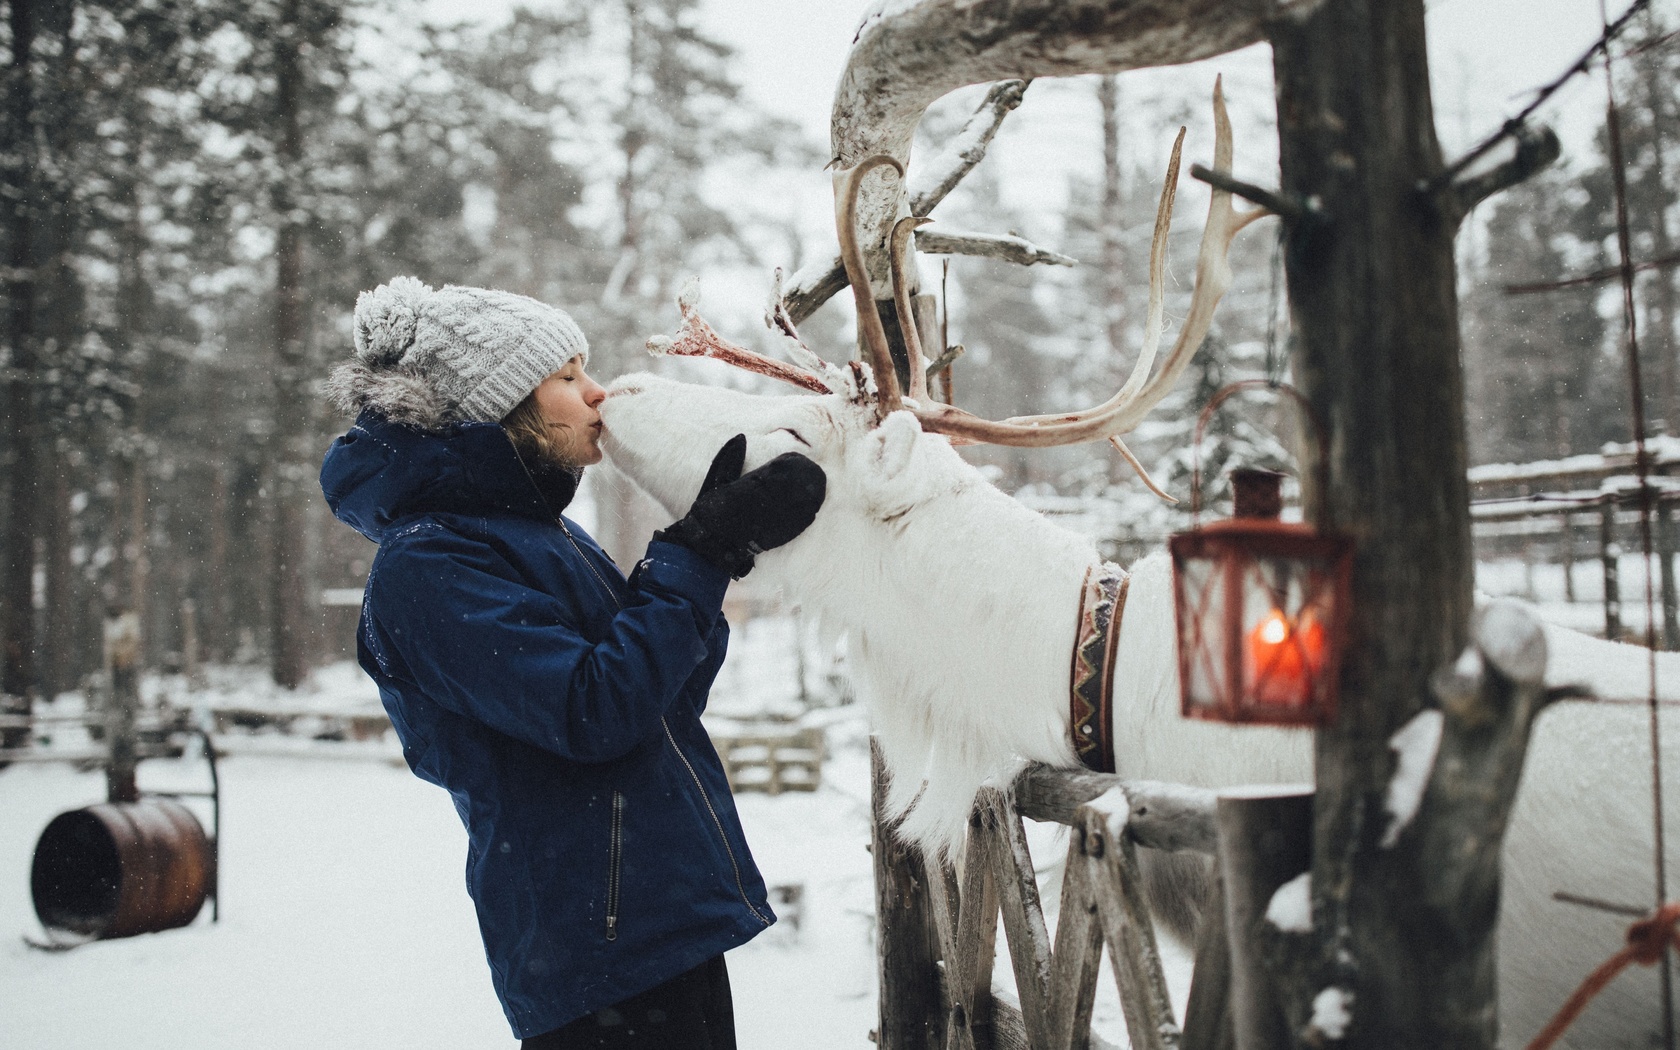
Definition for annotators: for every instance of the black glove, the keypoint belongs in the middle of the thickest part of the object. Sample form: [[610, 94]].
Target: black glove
[[737, 516]]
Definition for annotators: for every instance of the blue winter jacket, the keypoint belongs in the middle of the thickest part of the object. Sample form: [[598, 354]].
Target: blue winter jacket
[[559, 704]]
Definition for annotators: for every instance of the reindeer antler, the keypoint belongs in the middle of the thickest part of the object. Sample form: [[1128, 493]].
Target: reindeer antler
[[868, 318], [1133, 401], [1107, 421], [696, 338]]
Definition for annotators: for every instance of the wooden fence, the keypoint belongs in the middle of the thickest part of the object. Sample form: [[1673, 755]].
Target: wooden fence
[[936, 991], [1568, 528], [772, 762]]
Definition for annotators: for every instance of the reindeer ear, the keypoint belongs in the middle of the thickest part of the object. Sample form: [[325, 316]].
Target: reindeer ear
[[894, 440]]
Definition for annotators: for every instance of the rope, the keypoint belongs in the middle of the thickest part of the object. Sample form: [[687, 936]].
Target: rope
[[1648, 941]]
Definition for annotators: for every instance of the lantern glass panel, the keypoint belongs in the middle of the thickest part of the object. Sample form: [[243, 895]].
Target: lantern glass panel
[[1207, 675]]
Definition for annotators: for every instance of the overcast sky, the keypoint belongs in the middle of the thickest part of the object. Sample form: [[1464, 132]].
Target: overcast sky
[[1486, 57], [1485, 53]]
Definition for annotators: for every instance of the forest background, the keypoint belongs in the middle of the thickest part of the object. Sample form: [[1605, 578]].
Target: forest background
[[192, 193]]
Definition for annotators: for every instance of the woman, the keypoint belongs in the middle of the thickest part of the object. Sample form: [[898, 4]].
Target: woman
[[557, 701]]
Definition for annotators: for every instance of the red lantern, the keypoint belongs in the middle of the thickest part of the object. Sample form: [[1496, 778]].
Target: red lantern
[[1262, 607]]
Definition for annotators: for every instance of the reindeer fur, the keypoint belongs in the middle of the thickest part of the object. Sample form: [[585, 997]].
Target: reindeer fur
[[960, 606], [958, 602]]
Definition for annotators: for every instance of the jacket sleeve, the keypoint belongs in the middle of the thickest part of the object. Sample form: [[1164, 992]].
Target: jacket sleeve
[[487, 647]]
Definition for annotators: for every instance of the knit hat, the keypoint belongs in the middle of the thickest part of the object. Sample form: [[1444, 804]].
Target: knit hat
[[430, 358]]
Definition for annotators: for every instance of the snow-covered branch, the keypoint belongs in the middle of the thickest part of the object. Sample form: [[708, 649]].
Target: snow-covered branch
[[966, 148], [909, 54], [1007, 247]]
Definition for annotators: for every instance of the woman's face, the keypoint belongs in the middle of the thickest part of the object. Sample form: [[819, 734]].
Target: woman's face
[[570, 401]]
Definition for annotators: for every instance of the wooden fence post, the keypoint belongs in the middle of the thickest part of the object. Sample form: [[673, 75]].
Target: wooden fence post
[[1665, 565], [1264, 842], [1610, 555], [122, 705], [1207, 1012], [912, 1010], [1568, 552]]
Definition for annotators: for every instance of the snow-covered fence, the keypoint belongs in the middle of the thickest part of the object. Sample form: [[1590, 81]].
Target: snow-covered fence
[[1579, 509], [937, 992]]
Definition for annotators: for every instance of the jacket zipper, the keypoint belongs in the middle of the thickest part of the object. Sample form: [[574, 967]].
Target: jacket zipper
[[615, 848], [615, 858], [618, 798], [558, 520], [740, 887], [590, 565]]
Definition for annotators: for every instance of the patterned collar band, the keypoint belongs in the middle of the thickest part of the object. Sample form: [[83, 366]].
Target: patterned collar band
[[1102, 603]]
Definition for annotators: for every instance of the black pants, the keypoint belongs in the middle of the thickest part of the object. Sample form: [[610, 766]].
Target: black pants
[[692, 1011]]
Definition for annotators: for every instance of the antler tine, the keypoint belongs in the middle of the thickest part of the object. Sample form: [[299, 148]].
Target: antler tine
[[778, 320], [898, 251], [868, 318], [1157, 304], [1124, 411], [1213, 274], [696, 338]]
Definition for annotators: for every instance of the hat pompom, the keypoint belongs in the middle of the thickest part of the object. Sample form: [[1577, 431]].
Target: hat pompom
[[387, 319]]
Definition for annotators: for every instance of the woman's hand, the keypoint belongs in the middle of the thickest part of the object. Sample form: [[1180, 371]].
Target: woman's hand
[[737, 516]]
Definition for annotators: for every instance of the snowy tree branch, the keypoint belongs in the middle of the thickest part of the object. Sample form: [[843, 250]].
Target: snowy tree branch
[[958, 157], [820, 282], [1007, 247], [907, 55]]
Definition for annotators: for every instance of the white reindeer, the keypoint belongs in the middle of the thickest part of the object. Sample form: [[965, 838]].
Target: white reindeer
[[960, 608]]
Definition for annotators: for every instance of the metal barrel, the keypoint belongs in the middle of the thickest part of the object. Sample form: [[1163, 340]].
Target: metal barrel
[[122, 868]]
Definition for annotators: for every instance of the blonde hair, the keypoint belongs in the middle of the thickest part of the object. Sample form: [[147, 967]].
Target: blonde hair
[[536, 439]]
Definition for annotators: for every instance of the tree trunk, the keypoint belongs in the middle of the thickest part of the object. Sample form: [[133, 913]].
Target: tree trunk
[[912, 1012], [1657, 91], [220, 631], [288, 463], [60, 649], [17, 554], [1374, 305]]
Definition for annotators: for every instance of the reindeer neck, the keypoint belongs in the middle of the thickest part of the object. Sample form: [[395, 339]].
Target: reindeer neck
[[993, 580]]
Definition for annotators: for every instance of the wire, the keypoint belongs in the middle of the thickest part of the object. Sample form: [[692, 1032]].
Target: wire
[[1512, 126], [1642, 466]]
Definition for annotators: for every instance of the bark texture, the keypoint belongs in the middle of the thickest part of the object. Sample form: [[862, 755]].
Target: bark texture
[[289, 466], [22, 440], [1372, 294]]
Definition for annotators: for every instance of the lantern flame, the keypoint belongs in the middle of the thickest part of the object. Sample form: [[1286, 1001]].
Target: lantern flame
[[1285, 659]]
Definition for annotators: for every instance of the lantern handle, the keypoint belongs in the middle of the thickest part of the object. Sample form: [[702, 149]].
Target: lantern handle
[[1322, 468]]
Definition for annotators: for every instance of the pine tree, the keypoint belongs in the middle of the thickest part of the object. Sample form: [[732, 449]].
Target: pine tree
[[280, 103], [1649, 117], [1540, 381]]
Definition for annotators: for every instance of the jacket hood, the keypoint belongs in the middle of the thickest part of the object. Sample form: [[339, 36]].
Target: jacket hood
[[382, 471]]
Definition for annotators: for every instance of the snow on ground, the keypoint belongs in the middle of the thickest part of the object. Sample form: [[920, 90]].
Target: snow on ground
[[345, 921]]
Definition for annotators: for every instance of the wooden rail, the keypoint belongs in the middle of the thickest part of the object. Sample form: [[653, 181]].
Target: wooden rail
[[772, 762], [1101, 904], [1564, 527]]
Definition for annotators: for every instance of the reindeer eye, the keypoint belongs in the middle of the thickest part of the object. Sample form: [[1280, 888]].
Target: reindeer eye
[[795, 434]]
